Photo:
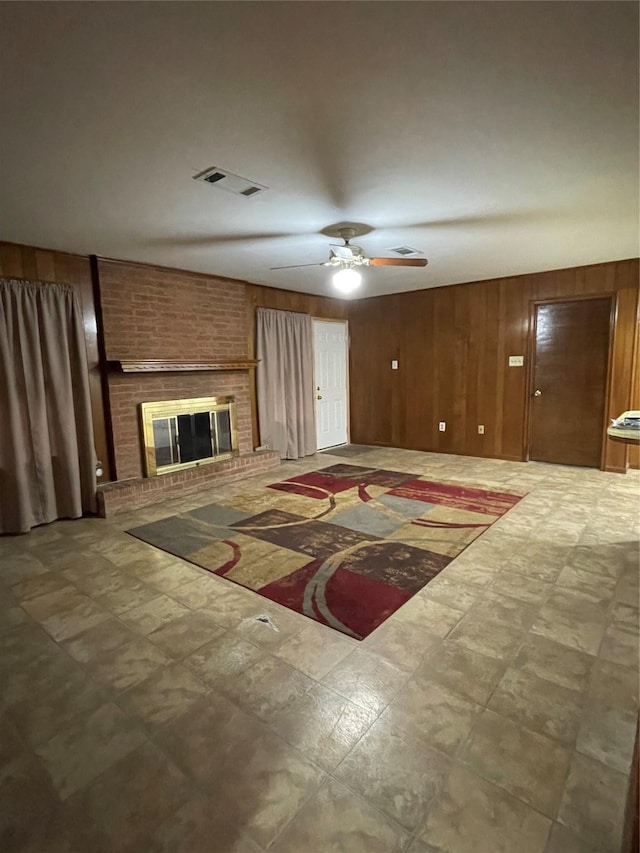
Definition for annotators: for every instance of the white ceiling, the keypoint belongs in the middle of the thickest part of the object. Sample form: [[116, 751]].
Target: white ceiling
[[499, 138]]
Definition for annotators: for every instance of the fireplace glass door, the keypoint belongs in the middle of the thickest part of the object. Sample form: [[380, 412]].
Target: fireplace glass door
[[185, 433]]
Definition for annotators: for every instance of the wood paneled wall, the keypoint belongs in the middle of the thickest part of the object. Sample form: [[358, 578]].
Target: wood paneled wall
[[32, 264], [452, 345]]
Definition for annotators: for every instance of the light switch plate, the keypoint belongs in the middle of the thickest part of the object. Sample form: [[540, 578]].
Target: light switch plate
[[394, 365], [516, 361]]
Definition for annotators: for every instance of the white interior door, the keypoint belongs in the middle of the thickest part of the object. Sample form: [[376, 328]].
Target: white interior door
[[330, 350]]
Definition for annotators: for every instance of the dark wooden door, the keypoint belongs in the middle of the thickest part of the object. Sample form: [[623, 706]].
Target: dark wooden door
[[566, 423]]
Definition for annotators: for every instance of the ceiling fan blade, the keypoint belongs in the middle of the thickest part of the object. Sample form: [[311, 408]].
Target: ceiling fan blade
[[296, 266], [398, 262]]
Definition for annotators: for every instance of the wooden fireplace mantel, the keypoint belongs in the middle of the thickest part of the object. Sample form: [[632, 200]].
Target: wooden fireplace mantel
[[158, 366]]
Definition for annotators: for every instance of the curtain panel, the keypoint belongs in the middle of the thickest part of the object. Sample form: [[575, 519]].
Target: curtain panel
[[47, 456], [286, 408]]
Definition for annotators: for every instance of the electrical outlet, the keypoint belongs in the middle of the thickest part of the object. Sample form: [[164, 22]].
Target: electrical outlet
[[480, 429], [394, 364], [442, 426]]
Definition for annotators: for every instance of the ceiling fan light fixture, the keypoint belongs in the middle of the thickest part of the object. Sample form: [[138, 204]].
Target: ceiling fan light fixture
[[346, 280]]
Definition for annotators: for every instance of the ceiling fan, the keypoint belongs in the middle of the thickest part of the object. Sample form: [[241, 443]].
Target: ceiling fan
[[346, 260]]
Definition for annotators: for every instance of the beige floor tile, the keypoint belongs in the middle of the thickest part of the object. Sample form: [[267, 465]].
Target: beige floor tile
[[527, 765], [220, 661], [95, 580], [540, 562], [526, 589], [41, 584], [562, 840], [473, 816], [87, 747], [494, 607], [65, 613], [271, 626], [184, 635], [615, 685], [21, 566], [267, 687], [322, 725], [336, 819], [150, 616], [65, 698], [453, 593], [555, 662], [420, 847], [39, 678], [23, 644], [396, 773], [538, 705], [32, 817], [97, 641], [628, 590], [401, 643], [201, 739], [470, 573], [228, 752], [131, 594], [200, 827], [493, 639], [432, 713], [122, 808], [600, 587], [620, 647], [608, 735], [573, 619], [11, 614], [624, 617], [366, 680], [196, 593], [464, 671], [593, 803], [316, 649], [166, 576], [429, 616], [127, 664], [165, 695]]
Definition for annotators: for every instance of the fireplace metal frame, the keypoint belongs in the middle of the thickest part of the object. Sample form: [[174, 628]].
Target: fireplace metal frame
[[171, 408]]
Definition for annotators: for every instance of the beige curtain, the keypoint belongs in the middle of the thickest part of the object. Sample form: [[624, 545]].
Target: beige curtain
[[286, 407], [47, 456]]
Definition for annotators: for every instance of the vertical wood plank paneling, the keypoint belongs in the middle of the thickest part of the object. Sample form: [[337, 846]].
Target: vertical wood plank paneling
[[455, 343], [45, 265], [11, 261]]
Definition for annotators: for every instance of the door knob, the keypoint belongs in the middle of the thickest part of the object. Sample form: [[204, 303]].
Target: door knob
[[537, 393], [319, 397]]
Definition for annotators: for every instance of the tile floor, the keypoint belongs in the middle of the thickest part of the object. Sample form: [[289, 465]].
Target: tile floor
[[144, 708]]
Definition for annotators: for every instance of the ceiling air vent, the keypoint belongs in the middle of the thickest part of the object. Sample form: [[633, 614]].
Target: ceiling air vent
[[231, 183], [405, 251]]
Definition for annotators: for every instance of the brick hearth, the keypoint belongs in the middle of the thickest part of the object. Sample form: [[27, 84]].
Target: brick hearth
[[125, 495]]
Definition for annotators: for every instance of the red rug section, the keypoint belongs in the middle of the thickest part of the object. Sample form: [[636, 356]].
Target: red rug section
[[358, 602]]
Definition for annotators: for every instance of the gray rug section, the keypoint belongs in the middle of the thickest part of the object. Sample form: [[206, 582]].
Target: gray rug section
[[349, 450]]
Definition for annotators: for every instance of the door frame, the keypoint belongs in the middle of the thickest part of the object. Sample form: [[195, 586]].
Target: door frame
[[531, 350], [347, 348]]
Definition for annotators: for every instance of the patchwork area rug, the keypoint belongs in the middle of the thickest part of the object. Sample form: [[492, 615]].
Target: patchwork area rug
[[345, 545]]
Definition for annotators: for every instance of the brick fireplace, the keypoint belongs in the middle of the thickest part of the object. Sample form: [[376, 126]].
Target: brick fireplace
[[157, 314]]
